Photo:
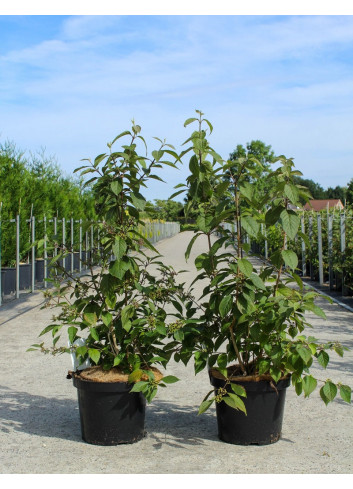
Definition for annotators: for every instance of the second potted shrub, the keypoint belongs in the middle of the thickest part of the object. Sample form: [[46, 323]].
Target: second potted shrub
[[247, 327]]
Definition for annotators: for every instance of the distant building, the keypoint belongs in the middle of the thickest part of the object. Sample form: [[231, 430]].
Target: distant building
[[323, 204]]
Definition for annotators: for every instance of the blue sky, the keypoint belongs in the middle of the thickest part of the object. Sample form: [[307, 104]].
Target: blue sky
[[72, 83]]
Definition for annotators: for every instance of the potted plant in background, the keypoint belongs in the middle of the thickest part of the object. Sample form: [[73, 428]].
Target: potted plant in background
[[115, 315], [247, 326]]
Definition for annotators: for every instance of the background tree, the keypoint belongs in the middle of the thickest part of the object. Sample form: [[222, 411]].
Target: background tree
[[36, 186], [258, 173], [167, 210], [315, 189], [349, 192]]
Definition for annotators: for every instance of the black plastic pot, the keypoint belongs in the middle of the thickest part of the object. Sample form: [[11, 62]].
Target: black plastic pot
[[109, 413], [265, 407], [2, 278], [25, 275], [39, 272], [76, 260], [8, 284]]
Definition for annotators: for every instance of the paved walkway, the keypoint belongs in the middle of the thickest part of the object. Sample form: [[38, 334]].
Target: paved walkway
[[39, 420]]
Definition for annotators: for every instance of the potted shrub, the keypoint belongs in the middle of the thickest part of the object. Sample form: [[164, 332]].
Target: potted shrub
[[115, 316], [247, 327]]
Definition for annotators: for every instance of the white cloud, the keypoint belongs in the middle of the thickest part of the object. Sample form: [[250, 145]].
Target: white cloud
[[287, 81]]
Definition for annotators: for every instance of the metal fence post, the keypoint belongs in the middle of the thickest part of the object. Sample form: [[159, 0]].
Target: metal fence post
[[303, 247], [311, 244], [330, 239], [55, 231], [72, 245], [80, 249], [266, 244], [45, 252], [0, 258], [86, 246], [64, 241], [91, 256], [319, 240], [17, 256], [33, 223], [343, 248]]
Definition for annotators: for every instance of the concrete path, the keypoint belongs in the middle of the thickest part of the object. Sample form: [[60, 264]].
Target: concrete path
[[39, 419]]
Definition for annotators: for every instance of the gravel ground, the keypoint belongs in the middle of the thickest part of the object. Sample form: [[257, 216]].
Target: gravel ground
[[39, 418]]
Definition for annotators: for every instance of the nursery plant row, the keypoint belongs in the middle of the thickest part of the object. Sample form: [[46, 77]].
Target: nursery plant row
[[32, 262], [324, 246]]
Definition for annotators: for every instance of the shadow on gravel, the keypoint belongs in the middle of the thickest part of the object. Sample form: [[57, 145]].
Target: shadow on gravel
[[38, 415], [179, 426]]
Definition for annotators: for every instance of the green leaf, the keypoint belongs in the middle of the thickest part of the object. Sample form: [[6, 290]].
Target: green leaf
[[135, 375], [309, 384], [90, 317], [190, 245], [107, 318], [116, 187], [329, 390], [323, 396], [304, 352], [126, 313], [118, 268], [346, 393], [222, 361], [118, 359], [72, 333], [245, 267], [315, 309], [138, 200], [298, 280], [272, 215], [194, 166], [94, 355], [157, 155], [235, 402], [170, 379], [226, 305], [125, 133], [238, 389], [290, 223], [290, 258], [209, 125], [339, 350], [264, 366], [251, 226], [247, 189], [161, 329], [119, 247], [291, 192], [323, 358], [48, 328], [275, 373], [298, 387], [81, 351], [150, 393], [94, 333], [176, 193], [139, 386], [257, 281], [189, 121], [205, 405]]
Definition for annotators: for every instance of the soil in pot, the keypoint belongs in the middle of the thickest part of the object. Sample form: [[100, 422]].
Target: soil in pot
[[109, 413], [264, 405]]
